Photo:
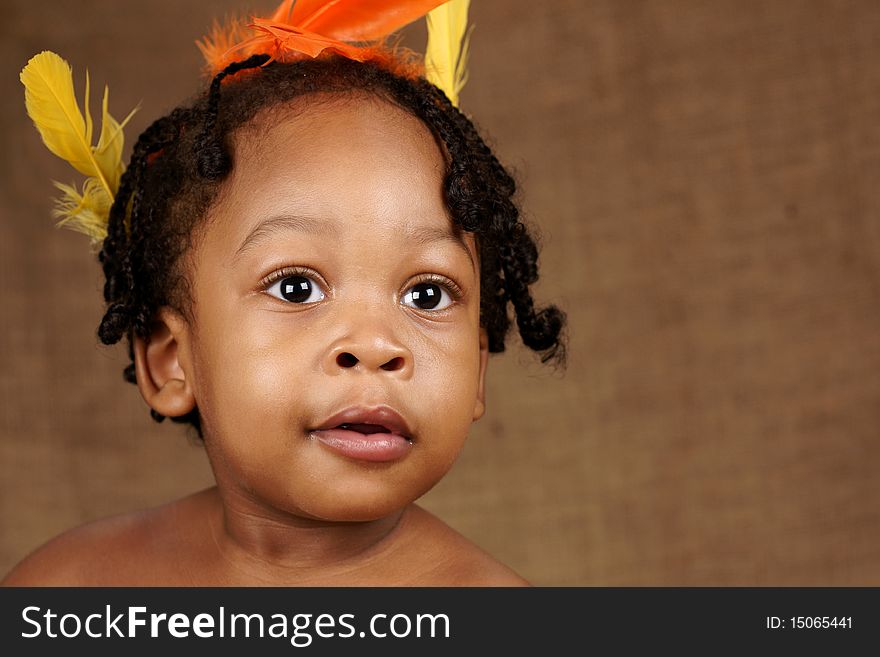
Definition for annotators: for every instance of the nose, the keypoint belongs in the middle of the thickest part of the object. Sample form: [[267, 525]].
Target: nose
[[370, 350], [348, 360]]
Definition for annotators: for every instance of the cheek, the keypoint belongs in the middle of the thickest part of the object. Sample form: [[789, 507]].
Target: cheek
[[249, 375], [447, 379], [455, 361]]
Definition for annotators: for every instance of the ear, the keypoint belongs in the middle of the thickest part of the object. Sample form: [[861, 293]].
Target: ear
[[162, 365], [480, 405]]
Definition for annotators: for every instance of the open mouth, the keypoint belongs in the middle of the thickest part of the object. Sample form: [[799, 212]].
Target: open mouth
[[365, 442], [366, 434], [365, 428]]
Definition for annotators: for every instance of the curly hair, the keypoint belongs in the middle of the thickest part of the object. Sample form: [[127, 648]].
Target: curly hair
[[180, 161]]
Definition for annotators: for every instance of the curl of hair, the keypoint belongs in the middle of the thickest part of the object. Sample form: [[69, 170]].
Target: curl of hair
[[180, 161]]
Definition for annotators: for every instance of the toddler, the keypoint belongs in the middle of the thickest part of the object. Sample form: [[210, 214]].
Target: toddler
[[311, 263]]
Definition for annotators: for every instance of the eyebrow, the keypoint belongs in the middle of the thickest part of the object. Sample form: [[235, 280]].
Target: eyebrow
[[274, 225]]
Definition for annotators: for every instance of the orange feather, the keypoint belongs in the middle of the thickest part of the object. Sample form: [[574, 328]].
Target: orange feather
[[310, 27], [358, 20]]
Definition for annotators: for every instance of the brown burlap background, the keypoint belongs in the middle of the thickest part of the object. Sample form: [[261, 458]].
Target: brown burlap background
[[706, 179]]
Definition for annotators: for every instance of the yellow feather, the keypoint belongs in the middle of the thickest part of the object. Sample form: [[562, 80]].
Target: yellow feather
[[87, 212], [448, 48], [51, 104], [89, 125], [111, 142]]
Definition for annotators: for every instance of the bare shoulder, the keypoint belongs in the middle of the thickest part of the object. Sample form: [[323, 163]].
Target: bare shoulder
[[455, 560], [78, 556], [107, 552]]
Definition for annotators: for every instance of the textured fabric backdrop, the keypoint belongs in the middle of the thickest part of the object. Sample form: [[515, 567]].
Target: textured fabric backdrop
[[706, 180]]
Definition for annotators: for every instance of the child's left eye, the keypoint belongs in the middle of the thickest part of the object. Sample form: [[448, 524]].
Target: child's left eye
[[427, 296]]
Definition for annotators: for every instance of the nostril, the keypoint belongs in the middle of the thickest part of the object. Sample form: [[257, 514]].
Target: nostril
[[393, 364], [346, 360]]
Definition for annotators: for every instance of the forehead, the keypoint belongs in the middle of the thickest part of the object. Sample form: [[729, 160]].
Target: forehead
[[351, 161], [340, 121]]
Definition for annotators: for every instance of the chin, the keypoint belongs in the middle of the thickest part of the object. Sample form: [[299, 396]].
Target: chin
[[362, 512], [362, 503]]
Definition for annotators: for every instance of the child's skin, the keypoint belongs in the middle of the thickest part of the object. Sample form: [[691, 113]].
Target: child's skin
[[266, 372]]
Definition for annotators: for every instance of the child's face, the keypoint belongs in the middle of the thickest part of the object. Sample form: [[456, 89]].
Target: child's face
[[350, 193]]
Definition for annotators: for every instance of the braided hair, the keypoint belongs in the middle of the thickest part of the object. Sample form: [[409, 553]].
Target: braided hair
[[180, 161]]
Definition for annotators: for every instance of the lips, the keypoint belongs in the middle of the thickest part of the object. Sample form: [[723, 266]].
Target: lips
[[380, 419], [377, 434]]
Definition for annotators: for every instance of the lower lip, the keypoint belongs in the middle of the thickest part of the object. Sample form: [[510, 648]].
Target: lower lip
[[376, 447]]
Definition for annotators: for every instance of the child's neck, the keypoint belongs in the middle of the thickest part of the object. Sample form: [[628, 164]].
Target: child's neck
[[272, 545]]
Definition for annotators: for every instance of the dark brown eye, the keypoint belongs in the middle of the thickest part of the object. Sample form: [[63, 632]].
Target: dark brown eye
[[296, 289], [427, 296]]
